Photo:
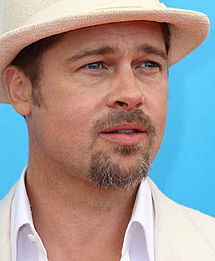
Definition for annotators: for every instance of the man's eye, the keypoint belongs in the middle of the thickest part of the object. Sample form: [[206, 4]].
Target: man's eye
[[94, 66], [149, 64], [149, 67]]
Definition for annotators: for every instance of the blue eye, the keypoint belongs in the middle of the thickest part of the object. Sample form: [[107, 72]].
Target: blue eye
[[149, 67], [149, 64], [94, 66]]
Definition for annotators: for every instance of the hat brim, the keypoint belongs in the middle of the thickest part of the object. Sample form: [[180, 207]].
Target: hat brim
[[188, 30]]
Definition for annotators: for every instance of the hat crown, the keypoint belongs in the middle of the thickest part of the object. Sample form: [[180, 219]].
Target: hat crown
[[17, 12]]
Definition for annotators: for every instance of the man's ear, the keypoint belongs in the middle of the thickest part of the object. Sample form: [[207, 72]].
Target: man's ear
[[18, 89]]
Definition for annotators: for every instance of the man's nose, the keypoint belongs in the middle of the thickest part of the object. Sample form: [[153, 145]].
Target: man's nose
[[124, 91]]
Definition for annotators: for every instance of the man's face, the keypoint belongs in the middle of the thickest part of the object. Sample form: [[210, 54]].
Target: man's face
[[105, 91]]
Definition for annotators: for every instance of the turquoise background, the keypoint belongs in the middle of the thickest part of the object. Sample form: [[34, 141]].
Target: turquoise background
[[185, 166]]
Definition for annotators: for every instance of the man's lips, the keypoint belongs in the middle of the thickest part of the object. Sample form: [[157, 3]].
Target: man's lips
[[132, 126], [126, 134]]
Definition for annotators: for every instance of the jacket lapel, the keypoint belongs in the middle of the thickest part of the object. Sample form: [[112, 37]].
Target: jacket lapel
[[164, 251], [5, 212]]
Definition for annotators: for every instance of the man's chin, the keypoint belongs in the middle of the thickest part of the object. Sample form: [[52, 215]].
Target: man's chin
[[124, 150], [112, 174]]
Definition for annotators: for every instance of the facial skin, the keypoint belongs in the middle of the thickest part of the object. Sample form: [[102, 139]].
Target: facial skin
[[95, 81]]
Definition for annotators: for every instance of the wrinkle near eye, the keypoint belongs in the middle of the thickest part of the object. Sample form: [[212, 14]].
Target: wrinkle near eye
[[148, 67]]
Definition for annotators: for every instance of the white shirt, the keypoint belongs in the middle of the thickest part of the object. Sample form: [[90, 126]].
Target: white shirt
[[138, 242]]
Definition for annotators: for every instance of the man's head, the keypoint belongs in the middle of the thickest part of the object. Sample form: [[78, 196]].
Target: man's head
[[95, 97], [104, 92]]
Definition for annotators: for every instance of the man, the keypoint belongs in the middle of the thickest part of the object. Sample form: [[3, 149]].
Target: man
[[90, 77]]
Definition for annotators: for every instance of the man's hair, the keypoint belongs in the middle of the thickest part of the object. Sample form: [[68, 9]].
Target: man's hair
[[29, 59]]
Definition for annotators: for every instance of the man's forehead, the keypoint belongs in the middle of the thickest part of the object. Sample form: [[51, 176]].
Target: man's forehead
[[110, 39], [115, 38], [113, 34], [113, 50]]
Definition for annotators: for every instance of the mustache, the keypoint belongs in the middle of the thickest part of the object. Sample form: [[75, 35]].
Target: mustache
[[115, 118]]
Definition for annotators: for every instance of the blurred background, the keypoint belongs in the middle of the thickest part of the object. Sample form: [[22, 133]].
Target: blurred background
[[184, 168]]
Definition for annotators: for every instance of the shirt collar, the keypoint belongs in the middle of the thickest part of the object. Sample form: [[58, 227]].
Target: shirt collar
[[142, 221], [21, 217], [21, 206]]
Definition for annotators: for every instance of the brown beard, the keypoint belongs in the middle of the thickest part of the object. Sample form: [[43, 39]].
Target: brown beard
[[107, 174]]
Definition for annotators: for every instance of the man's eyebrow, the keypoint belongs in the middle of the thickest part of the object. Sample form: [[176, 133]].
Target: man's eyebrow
[[102, 50], [149, 49]]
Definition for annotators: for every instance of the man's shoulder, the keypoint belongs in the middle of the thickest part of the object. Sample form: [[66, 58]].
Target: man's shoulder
[[6, 201], [181, 221], [5, 207], [5, 213], [204, 224]]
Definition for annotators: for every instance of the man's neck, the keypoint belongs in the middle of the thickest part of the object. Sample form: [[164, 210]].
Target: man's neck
[[70, 213]]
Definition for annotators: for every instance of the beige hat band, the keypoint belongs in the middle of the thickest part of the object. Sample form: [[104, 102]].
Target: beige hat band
[[31, 10]]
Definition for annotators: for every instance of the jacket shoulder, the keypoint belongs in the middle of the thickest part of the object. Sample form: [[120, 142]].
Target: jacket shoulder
[[5, 213], [183, 222], [6, 201], [203, 223]]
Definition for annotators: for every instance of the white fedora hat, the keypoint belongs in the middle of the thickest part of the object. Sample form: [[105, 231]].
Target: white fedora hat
[[26, 21]]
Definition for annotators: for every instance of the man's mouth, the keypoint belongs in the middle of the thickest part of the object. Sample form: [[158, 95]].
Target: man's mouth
[[126, 134], [124, 131], [124, 128]]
